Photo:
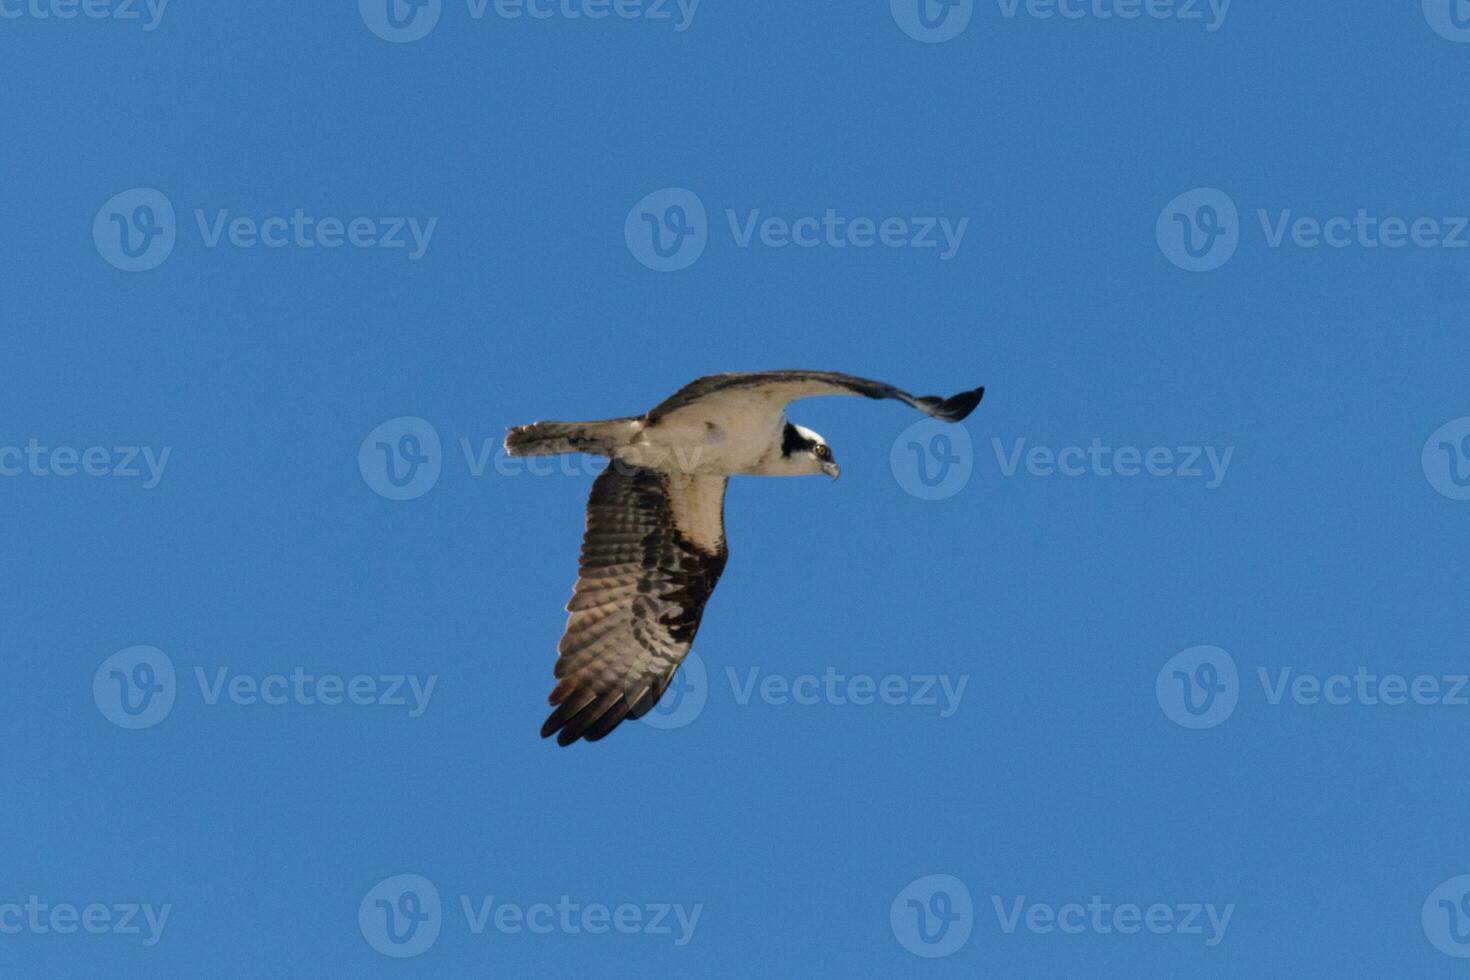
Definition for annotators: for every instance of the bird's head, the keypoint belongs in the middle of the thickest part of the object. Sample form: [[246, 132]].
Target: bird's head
[[805, 453]]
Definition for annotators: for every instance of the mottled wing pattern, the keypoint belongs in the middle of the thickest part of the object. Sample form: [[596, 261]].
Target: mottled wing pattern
[[736, 392], [653, 551]]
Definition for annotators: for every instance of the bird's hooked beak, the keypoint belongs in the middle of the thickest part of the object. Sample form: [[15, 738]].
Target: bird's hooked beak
[[831, 469]]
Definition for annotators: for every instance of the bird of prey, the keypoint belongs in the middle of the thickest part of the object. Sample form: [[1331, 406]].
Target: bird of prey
[[655, 541]]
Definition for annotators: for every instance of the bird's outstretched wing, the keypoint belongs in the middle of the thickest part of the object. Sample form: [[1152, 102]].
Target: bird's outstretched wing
[[768, 392], [653, 551]]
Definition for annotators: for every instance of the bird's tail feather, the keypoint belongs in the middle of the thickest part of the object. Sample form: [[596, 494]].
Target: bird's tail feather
[[555, 438]]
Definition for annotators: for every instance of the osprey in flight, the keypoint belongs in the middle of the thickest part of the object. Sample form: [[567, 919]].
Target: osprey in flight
[[655, 541]]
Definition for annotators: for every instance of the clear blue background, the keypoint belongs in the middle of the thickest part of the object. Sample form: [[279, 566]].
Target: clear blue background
[[1059, 777]]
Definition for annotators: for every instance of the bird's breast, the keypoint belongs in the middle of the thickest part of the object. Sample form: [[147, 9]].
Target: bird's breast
[[701, 446]]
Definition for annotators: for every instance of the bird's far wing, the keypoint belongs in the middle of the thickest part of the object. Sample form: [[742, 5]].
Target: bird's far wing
[[653, 551], [770, 391]]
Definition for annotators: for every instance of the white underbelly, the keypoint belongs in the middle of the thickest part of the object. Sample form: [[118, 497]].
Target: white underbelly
[[700, 447]]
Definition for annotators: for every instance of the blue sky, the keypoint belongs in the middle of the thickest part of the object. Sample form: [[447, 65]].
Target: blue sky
[[1151, 668]]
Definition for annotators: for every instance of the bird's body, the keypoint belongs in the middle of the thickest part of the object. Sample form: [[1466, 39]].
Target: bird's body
[[655, 542]]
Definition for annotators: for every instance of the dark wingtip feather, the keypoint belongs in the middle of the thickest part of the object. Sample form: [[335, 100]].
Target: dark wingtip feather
[[566, 710], [586, 717], [551, 726], [954, 409]]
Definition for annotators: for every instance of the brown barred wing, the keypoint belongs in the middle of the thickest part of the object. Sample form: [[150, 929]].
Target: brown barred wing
[[653, 552]]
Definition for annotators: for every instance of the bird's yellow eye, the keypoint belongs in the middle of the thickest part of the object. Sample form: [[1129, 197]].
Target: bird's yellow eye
[[823, 452]]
